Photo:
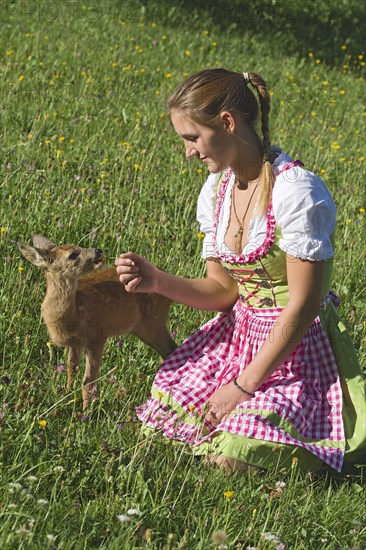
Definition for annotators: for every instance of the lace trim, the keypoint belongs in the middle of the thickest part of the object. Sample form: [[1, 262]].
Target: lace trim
[[270, 236], [261, 250]]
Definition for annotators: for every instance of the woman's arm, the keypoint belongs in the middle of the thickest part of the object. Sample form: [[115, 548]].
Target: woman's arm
[[305, 282], [216, 292]]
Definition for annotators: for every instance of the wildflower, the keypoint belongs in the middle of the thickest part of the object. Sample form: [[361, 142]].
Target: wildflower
[[123, 518], [168, 75], [219, 537], [49, 344], [119, 426], [183, 172], [21, 77], [42, 501], [20, 268], [228, 494], [7, 380], [60, 368], [51, 538], [32, 478], [58, 469], [294, 461], [42, 423], [59, 152], [361, 210], [322, 171], [134, 512], [192, 408], [361, 159], [200, 235], [160, 395], [188, 52]]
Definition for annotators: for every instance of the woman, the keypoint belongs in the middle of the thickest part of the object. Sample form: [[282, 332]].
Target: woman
[[274, 378]]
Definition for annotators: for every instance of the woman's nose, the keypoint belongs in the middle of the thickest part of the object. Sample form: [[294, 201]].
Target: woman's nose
[[191, 151]]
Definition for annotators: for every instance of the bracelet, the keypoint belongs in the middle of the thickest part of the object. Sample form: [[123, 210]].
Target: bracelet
[[242, 389]]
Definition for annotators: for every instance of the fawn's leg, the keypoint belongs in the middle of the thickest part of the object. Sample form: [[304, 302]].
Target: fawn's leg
[[93, 361], [73, 361], [157, 337]]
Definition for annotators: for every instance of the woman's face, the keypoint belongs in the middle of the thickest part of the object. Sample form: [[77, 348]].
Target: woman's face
[[213, 147]]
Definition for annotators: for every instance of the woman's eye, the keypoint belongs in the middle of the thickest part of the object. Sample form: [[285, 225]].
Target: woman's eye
[[74, 255]]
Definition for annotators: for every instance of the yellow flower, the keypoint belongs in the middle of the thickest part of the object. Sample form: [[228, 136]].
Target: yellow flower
[[322, 171], [21, 77], [42, 423], [191, 408], [348, 221], [168, 75], [200, 235], [160, 395], [199, 171], [188, 52], [20, 268], [342, 92], [58, 152], [310, 54], [361, 159], [184, 171], [362, 210], [4, 229], [294, 461], [228, 494], [343, 47]]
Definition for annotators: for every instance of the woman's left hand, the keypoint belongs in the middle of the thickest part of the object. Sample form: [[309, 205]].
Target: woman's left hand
[[222, 402]]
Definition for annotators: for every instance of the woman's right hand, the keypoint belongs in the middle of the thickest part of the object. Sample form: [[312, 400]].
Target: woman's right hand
[[136, 273]]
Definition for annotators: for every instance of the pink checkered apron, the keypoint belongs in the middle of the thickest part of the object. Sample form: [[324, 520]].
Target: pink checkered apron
[[299, 405]]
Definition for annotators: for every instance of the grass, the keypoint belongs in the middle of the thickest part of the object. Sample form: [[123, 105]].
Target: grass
[[88, 156]]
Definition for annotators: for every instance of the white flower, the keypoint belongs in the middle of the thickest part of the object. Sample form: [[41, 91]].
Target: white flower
[[12, 505], [32, 478], [51, 538], [42, 501], [59, 469], [280, 484], [123, 518], [270, 537], [134, 512], [14, 487]]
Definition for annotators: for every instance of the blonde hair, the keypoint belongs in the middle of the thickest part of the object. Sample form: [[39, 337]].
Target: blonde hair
[[204, 95]]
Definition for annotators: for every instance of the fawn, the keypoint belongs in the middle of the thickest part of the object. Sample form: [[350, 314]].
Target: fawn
[[82, 312]]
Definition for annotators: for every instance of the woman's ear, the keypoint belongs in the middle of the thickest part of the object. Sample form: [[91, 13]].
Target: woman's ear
[[228, 121]]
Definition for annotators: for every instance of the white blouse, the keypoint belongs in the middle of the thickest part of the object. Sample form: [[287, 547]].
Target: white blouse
[[302, 206]]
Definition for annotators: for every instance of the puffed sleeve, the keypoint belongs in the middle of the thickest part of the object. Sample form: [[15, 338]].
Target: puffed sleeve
[[305, 211], [206, 212]]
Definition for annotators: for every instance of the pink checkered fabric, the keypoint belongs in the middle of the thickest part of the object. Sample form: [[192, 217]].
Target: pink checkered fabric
[[305, 391], [300, 404]]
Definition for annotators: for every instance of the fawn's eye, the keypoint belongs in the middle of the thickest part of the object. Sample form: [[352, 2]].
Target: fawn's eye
[[74, 255]]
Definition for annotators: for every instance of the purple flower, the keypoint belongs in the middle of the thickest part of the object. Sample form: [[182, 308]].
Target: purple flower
[[119, 426], [85, 418], [118, 343], [6, 380], [60, 367]]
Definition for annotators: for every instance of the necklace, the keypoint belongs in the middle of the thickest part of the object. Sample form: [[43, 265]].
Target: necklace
[[239, 234]]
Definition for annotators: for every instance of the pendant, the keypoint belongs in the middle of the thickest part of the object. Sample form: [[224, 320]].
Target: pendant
[[239, 236]]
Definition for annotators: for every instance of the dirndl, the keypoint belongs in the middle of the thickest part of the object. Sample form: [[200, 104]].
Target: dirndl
[[296, 413]]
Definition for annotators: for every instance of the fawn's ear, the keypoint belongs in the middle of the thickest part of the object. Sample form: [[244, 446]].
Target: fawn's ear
[[38, 257], [39, 241]]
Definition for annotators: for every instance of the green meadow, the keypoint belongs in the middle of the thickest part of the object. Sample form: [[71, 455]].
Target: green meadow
[[88, 156]]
